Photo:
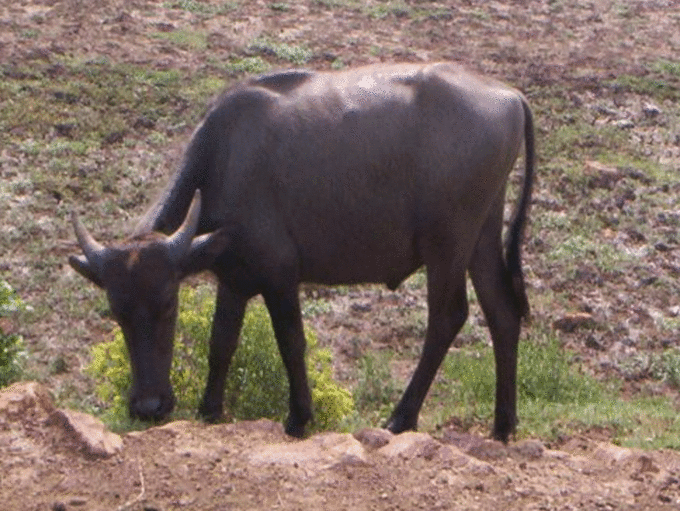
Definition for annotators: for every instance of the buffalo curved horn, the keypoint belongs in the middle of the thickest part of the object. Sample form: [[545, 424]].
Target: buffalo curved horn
[[179, 242], [94, 251]]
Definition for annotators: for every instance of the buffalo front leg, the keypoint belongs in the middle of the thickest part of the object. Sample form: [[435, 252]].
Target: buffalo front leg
[[227, 322], [284, 309], [447, 312]]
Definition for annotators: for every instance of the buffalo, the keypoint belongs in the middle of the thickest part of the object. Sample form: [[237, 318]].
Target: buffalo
[[356, 176]]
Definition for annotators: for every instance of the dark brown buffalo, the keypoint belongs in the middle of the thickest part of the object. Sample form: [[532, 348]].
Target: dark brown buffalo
[[335, 178]]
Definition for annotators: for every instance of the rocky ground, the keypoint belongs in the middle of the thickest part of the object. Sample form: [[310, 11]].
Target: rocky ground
[[60, 460]]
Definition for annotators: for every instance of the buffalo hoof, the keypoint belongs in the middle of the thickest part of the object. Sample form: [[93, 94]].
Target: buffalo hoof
[[295, 425], [398, 424], [210, 414], [502, 431]]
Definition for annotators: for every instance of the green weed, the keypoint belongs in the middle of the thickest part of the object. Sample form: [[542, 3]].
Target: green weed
[[382, 10], [202, 9], [186, 39], [376, 391], [256, 385], [653, 85], [12, 348], [296, 54], [249, 65], [279, 6]]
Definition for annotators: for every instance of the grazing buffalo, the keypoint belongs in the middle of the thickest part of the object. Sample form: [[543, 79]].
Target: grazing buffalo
[[343, 177]]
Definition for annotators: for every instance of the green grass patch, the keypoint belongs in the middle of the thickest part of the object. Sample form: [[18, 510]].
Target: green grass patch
[[376, 392], [555, 396], [248, 65], [332, 4], [660, 83], [185, 39], [202, 9], [298, 55], [383, 9], [577, 248]]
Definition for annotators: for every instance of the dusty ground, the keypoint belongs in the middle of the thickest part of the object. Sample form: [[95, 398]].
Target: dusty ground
[[531, 44], [253, 465]]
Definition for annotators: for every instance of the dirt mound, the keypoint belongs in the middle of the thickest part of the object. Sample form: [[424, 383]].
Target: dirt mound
[[54, 459]]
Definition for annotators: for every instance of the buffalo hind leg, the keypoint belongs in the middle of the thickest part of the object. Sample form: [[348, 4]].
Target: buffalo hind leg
[[493, 284], [447, 312], [227, 322], [284, 309]]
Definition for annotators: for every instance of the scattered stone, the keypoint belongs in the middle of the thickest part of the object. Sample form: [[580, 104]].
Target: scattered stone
[[662, 247], [647, 464], [373, 438], [601, 175], [528, 449], [475, 446], [650, 110], [89, 433], [593, 343], [361, 307], [25, 401], [319, 452], [572, 322], [612, 454], [410, 445], [624, 124]]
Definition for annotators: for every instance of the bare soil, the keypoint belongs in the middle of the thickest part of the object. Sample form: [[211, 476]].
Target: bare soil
[[253, 465], [189, 465]]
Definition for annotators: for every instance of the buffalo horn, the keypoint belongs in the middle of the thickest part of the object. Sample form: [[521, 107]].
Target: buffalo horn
[[180, 241], [93, 250]]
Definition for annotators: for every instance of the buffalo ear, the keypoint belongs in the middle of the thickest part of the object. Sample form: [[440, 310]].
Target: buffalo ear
[[82, 266], [204, 250]]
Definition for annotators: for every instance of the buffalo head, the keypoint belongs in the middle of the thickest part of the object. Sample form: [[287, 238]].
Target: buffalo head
[[141, 278]]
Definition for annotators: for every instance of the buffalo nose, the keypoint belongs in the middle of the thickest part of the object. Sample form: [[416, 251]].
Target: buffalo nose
[[149, 408]]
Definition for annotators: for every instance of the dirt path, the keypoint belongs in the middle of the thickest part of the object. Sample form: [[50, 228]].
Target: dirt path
[[49, 465]]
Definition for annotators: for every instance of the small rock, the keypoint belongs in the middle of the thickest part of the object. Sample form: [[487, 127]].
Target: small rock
[[624, 124], [475, 446], [316, 453], [612, 454], [650, 110], [601, 175], [88, 432], [531, 449], [593, 343], [24, 400], [452, 457], [361, 307], [373, 438], [573, 322], [410, 445], [647, 464]]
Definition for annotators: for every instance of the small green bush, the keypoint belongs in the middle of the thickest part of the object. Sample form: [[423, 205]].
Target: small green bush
[[12, 349], [256, 385]]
